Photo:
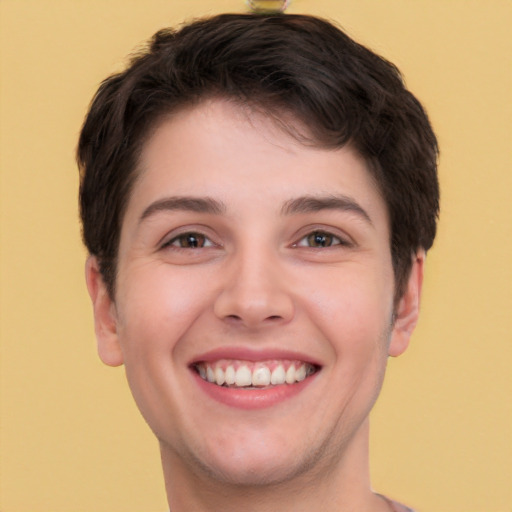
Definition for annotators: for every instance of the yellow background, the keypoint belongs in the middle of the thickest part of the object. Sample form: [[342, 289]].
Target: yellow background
[[71, 439]]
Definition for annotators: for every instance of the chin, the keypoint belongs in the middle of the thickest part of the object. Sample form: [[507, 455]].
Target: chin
[[254, 462], [254, 473]]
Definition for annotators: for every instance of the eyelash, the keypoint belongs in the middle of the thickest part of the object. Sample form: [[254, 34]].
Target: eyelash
[[198, 240], [330, 239], [176, 242]]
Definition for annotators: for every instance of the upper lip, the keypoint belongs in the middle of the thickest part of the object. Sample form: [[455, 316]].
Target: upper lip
[[248, 354]]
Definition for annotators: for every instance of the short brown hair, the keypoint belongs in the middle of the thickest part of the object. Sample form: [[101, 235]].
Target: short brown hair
[[294, 64]]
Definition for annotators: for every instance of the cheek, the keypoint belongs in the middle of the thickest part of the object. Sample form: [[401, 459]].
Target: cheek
[[354, 316], [157, 306], [355, 305], [353, 312]]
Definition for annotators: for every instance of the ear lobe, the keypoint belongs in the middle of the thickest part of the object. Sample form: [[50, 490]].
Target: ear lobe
[[105, 319], [407, 311]]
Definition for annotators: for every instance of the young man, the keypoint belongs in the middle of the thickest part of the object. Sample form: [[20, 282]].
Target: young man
[[257, 196]]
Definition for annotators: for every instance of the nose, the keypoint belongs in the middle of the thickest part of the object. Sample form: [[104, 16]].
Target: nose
[[255, 292]]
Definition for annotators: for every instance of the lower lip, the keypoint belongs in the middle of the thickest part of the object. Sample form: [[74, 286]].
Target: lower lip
[[252, 398]]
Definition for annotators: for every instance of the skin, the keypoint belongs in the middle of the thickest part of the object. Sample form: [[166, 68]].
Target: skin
[[258, 284]]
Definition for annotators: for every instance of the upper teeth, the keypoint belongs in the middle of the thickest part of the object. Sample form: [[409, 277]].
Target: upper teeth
[[245, 374]]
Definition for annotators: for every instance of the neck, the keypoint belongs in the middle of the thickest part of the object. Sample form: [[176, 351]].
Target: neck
[[330, 486]]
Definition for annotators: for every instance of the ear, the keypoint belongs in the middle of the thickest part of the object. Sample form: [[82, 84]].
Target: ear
[[105, 319], [407, 310]]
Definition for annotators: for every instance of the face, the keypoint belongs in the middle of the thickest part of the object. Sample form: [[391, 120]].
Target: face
[[254, 301]]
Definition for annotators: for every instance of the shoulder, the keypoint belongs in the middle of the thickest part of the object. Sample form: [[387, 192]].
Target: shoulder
[[397, 507]]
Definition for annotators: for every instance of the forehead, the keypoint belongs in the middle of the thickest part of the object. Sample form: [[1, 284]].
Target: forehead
[[244, 158]]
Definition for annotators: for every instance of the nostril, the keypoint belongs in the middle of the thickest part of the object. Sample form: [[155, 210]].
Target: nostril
[[245, 305]]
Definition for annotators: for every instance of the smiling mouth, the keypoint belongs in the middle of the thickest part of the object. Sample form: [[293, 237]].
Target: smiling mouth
[[254, 375]]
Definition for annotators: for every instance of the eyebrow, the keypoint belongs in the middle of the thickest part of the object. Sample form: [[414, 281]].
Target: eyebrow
[[308, 204], [193, 204], [303, 204]]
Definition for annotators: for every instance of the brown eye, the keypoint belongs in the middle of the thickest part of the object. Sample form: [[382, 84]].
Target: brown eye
[[190, 241], [321, 239]]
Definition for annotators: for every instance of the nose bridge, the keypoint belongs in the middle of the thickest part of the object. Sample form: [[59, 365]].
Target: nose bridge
[[254, 288]]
